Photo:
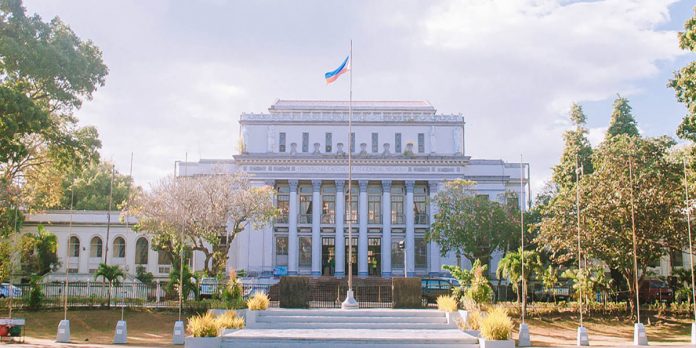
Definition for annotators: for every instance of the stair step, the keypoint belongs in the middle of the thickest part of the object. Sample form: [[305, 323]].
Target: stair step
[[349, 325], [421, 313], [351, 319]]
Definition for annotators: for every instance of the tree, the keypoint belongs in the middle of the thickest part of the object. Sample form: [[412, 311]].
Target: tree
[[606, 198], [549, 279], [206, 211], [470, 224], [577, 151], [92, 187], [38, 252], [510, 267], [112, 274], [684, 82], [622, 121], [190, 283]]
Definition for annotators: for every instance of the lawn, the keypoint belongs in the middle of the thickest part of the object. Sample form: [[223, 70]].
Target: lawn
[[145, 327]]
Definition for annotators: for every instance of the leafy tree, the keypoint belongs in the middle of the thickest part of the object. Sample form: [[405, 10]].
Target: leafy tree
[[480, 290], [470, 225], [622, 121], [549, 278], [606, 199], [190, 283], [684, 82], [38, 252], [143, 275], [510, 267], [111, 274], [577, 151], [36, 296], [92, 187], [198, 209], [5, 259]]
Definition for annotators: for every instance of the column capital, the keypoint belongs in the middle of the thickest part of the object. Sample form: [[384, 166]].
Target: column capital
[[363, 185], [409, 185], [269, 182], [293, 185], [340, 184], [316, 185], [433, 185], [386, 185]]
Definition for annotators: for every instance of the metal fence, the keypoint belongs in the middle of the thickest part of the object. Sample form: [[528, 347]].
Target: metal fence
[[332, 295]]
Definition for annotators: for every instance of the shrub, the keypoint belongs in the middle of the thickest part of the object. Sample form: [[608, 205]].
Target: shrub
[[447, 303], [232, 292], [229, 320], [203, 326], [406, 293], [258, 302], [496, 325], [35, 295], [294, 292], [473, 320]]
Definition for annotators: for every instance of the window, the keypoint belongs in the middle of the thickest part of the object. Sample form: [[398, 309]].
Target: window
[[281, 246], [328, 205], [374, 205], [352, 142], [281, 142], [421, 142], [397, 205], [305, 252], [283, 204], [164, 261], [305, 142], [119, 247], [353, 205], [375, 142], [141, 250], [421, 252], [305, 205], [397, 255], [677, 259], [328, 143], [420, 205], [397, 142], [74, 247], [95, 247]]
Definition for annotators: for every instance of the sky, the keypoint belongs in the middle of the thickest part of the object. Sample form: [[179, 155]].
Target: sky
[[181, 72]]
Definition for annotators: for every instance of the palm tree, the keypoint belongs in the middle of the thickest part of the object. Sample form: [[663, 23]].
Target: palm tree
[[111, 274], [550, 279], [510, 267]]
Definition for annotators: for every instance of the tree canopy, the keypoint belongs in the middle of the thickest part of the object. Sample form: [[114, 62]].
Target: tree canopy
[[577, 151], [622, 121], [684, 82]]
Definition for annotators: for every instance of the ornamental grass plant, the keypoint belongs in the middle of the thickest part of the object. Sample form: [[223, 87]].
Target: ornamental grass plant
[[473, 320], [447, 303], [496, 326], [204, 325], [229, 320], [258, 302]]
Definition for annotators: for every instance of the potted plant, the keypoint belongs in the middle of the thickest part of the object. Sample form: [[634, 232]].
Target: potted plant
[[203, 331], [229, 322], [449, 305], [496, 328], [258, 302]]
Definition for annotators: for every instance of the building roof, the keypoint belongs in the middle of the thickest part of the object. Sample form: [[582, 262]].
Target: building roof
[[421, 106]]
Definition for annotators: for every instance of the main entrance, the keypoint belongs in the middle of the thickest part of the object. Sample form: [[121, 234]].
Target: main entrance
[[374, 256], [354, 259], [328, 256]]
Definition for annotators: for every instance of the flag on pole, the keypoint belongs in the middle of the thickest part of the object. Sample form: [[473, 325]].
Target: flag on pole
[[332, 76]]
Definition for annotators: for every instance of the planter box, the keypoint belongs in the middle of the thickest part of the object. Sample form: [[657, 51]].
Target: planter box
[[225, 332], [203, 342], [475, 333], [484, 343]]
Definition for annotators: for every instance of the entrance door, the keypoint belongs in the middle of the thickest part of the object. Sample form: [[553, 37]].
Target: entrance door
[[374, 256], [354, 259], [328, 256]]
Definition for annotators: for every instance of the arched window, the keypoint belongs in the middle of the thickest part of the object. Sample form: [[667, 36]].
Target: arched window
[[95, 247], [141, 249], [119, 247], [74, 247]]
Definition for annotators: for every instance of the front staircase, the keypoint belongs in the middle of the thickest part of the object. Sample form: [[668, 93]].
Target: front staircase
[[339, 328]]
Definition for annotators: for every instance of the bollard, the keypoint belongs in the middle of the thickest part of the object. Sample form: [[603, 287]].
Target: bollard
[[121, 336], [178, 337], [583, 337], [63, 335], [523, 340], [639, 336]]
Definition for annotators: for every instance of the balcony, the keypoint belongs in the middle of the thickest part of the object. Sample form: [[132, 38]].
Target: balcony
[[304, 219], [328, 218], [398, 219], [421, 219], [283, 219]]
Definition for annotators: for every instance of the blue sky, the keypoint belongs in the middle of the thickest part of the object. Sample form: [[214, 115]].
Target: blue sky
[[181, 72]]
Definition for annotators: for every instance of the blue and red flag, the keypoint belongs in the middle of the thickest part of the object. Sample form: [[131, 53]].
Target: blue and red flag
[[332, 76]]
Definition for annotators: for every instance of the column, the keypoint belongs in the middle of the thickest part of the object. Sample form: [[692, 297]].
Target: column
[[316, 231], [410, 230], [340, 238], [362, 236], [434, 247], [386, 228], [292, 230]]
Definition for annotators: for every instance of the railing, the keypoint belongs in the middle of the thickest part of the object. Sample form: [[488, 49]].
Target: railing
[[304, 219], [421, 219], [332, 295]]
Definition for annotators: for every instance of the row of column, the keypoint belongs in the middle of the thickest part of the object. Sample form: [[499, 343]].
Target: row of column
[[340, 256]]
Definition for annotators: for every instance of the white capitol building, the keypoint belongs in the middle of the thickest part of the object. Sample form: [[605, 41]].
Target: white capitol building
[[402, 153]]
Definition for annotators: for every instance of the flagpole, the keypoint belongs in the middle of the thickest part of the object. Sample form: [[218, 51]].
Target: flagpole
[[524, 292], [691, 248], [350, 302]]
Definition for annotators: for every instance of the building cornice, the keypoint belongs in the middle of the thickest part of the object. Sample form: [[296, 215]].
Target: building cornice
[[403, 118], [357, 160]]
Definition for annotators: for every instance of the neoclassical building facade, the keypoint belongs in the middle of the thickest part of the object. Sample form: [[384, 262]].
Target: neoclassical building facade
[[402, 152]]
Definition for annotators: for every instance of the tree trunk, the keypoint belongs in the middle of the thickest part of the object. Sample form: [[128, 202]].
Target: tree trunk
[[109, 296]]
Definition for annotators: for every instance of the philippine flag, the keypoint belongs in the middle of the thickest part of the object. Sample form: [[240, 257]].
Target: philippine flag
[[332, 76]]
